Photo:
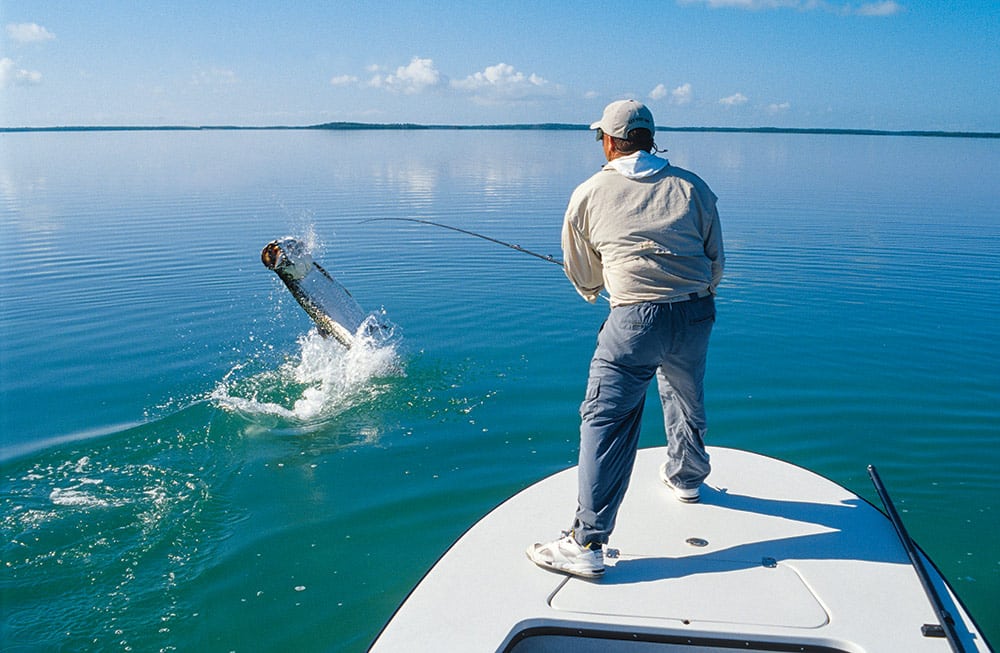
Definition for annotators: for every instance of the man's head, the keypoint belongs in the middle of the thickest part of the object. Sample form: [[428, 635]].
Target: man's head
[[629, 127]]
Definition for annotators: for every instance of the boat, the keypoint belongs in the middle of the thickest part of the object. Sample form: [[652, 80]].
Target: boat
[[773, 558]]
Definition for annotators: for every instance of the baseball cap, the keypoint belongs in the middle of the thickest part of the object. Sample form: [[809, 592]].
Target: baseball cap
[[623, 116]]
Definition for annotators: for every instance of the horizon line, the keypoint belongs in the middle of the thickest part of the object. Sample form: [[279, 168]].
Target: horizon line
[[402, 126]]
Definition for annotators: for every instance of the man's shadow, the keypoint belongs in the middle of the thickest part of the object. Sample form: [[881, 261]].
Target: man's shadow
[[857, 531]]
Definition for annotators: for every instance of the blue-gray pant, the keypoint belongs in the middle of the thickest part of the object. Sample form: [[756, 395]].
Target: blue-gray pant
[[635, 343]]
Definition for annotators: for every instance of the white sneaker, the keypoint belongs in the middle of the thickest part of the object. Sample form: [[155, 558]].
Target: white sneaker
[[566, 556], [690, 495]]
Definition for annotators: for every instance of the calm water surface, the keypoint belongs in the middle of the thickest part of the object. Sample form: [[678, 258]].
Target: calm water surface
[[185, 467]]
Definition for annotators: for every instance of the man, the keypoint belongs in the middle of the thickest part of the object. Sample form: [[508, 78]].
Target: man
[[649, 234]]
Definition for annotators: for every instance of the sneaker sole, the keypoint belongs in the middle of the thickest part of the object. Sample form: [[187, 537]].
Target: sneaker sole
[[677, 493], [580, 573]]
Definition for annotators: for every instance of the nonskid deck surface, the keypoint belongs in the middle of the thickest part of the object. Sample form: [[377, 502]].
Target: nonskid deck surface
[[773, 554]]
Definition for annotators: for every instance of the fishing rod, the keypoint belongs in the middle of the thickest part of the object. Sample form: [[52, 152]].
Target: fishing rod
[[947, 626], [544, 257]]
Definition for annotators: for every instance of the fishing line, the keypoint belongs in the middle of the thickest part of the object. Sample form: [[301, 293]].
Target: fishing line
[[544, 257], [513, 246]]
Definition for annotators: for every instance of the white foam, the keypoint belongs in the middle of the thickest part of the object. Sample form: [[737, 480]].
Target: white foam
[[323, 380], [76, 497]]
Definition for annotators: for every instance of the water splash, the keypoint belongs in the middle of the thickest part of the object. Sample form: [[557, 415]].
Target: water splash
[[323, 380], [124, 522]]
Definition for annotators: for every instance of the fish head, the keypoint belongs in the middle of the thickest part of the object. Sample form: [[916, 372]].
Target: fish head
[[288, 257]]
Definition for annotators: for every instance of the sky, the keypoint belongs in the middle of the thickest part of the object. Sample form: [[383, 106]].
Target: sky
[[862, 64]]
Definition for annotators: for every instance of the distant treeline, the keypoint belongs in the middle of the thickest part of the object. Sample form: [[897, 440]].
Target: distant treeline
[[549, 126]]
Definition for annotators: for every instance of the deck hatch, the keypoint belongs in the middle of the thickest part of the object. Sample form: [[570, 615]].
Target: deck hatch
[[751, 595]]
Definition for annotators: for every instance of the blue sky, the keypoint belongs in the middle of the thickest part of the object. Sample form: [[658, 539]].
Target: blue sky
[[882, 64]]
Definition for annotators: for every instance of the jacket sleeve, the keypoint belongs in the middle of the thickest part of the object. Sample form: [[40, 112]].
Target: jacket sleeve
[[581, 262], [713, 246]]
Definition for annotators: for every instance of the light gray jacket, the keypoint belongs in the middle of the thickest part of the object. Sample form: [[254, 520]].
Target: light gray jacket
[[645, 230]]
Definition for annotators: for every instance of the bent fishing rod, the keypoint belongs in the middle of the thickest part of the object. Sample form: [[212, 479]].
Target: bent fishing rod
[[544, 257]]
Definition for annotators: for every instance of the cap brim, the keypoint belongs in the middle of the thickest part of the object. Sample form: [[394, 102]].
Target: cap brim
[[595, 125]]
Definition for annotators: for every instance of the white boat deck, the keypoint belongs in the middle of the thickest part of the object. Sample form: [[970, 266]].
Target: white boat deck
[[774, 557]]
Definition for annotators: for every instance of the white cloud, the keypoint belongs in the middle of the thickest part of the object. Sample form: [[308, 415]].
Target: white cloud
[[779, 108], [10, 75], [745, 4], [418, 75], [682, 94], [500, 75], [497, 84], [879, 8], [658, 93], [26, 77], [888, 8], [733, 100], [214, 77], [28, 33], [504, 83]]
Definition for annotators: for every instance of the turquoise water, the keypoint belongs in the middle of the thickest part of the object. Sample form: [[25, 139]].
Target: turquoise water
[[185, 467]]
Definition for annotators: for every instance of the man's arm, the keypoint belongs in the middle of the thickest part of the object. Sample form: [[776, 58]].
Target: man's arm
[[581, 262]]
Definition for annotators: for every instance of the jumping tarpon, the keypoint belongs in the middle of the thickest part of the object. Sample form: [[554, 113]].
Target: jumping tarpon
[[327, 302]]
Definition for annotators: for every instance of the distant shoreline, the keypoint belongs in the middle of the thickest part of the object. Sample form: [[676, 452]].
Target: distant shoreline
[[359, 126]]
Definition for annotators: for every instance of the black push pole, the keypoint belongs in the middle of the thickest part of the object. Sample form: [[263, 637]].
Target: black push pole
[[947, 622]]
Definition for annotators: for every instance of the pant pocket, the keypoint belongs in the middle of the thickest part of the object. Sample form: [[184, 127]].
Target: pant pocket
[[590, 398], [704, 311], [593, 389]]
